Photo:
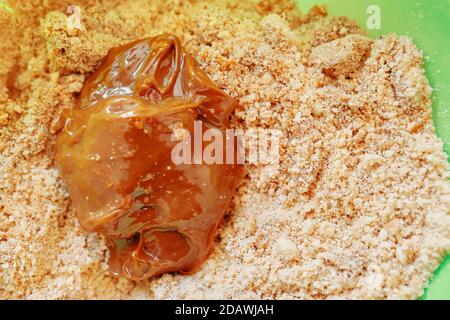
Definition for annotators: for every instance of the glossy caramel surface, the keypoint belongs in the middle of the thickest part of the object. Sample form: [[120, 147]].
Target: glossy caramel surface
[[114, 154]]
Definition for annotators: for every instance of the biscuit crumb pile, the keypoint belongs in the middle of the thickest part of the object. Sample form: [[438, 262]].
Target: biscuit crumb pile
[[358, 207]]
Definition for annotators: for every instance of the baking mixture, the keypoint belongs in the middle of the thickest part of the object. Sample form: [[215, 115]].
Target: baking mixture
[[358, 206]]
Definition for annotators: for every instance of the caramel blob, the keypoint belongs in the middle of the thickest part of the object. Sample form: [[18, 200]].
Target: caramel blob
[[114, 154]]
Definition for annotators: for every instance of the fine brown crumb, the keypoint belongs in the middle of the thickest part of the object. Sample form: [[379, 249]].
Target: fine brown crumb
[[357, 208]]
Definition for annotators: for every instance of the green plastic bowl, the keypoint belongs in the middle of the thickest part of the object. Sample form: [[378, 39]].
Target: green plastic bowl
[[427, 23]]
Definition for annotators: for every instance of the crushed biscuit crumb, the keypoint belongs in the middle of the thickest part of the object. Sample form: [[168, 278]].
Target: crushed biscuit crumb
[[359, 207]]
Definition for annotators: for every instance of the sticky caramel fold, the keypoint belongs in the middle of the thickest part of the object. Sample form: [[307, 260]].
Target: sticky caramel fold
[[114, 154]]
